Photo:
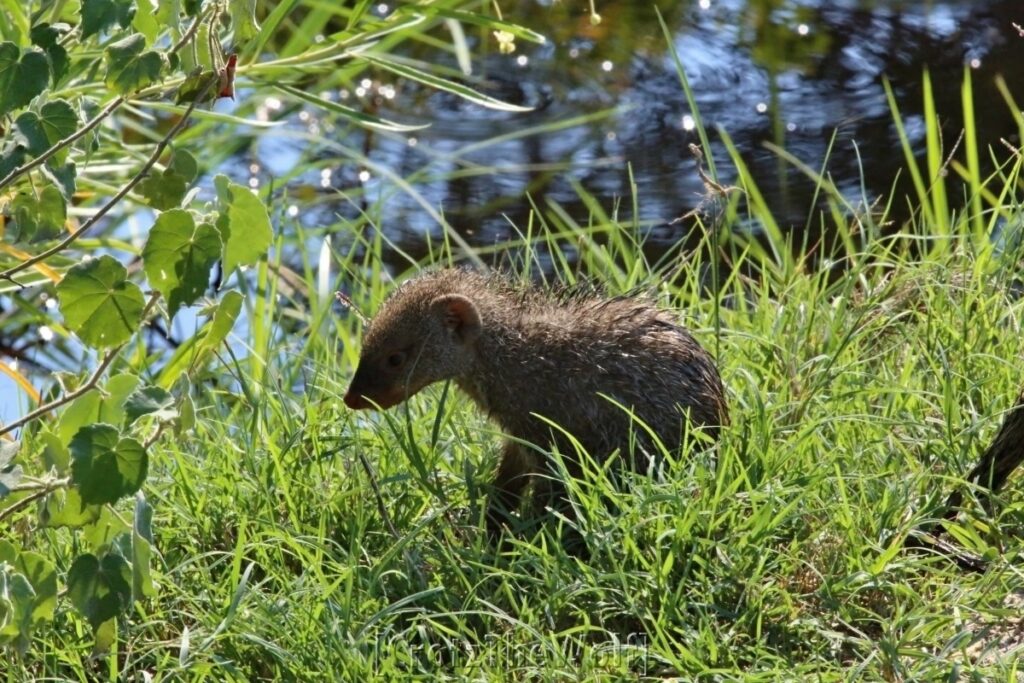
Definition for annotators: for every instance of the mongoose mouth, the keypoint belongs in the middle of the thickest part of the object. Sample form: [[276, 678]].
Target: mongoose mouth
[[357, 401]]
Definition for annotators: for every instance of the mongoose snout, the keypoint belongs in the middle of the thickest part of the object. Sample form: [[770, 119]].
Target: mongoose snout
[[592, 365]]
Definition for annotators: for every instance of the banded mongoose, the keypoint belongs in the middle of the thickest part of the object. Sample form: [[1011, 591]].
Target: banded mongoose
[[529, 359]]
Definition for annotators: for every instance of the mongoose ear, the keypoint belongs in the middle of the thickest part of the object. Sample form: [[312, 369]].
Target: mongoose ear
[[459, 314]]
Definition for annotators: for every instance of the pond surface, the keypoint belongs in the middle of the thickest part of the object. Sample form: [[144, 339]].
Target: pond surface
[[606, 101]]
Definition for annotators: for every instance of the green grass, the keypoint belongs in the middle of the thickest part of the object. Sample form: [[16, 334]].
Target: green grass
[[863, 384], [858, 400]]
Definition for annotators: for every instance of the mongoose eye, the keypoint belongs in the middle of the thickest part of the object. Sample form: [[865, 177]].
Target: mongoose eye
[[396, 360]]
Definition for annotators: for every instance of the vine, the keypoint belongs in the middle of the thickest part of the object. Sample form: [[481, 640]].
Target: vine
[[84, 451]]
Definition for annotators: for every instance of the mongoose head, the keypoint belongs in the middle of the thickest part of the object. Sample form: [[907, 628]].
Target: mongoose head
[[419, 336]]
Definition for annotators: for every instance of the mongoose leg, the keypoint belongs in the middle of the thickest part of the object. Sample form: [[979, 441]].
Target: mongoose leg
[[515, 471]]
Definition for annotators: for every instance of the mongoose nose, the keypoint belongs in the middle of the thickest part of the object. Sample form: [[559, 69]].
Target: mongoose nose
[[356, 401]]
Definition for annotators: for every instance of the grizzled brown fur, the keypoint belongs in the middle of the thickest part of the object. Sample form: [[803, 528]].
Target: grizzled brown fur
[[523, 353]]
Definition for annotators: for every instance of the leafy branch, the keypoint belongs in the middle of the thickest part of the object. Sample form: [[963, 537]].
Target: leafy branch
[[39, 490], [87, 386], [121, 194], [109, 109]]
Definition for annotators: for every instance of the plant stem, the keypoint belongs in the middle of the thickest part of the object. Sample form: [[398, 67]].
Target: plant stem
[[93, 380]]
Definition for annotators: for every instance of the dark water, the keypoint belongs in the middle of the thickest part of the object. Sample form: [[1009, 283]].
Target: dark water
[[793, 73]]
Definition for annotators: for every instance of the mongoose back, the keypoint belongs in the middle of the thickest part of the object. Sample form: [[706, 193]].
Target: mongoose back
[[530, 359]]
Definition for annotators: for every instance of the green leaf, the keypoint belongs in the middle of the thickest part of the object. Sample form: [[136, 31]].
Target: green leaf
[[187, 416], [97, 406], [130, 67], [99, 15], [145, 21], [8, 553], [36, 598], [55, 121], [223, 320], [164, 190], [47, 36], [10, 474], [168, 13], [41, 573], [243, 19], [178, 257], [106, 466], [116, 391], [142, 549], [438, 83], [100, 589], [243, 223], [185, 165], [106, 636], [63, 178], [55, 454], [64, 508], [105, 531], [22, 76], [15, 156], [16, 599], [39, 217], [200, 56], [99, 303], [193, 352], [150, 401], [199, 82]]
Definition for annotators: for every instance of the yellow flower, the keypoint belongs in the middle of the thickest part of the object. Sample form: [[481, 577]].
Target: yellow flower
[[506, 42]]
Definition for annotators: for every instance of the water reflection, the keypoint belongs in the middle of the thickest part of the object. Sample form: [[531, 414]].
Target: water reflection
[[793, 73]]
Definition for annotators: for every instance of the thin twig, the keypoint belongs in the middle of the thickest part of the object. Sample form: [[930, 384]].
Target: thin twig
[[108, 358], [410, 555], [33, 485], [380, 499], [64, 142], [346, 301], [47, 489], [113, 201], [152, 438], [712, 190], [95, 121], [90, 383], [924, 540]]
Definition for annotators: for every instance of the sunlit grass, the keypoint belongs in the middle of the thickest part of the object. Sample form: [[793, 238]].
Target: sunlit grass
[[862, 386], [858, 400]]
